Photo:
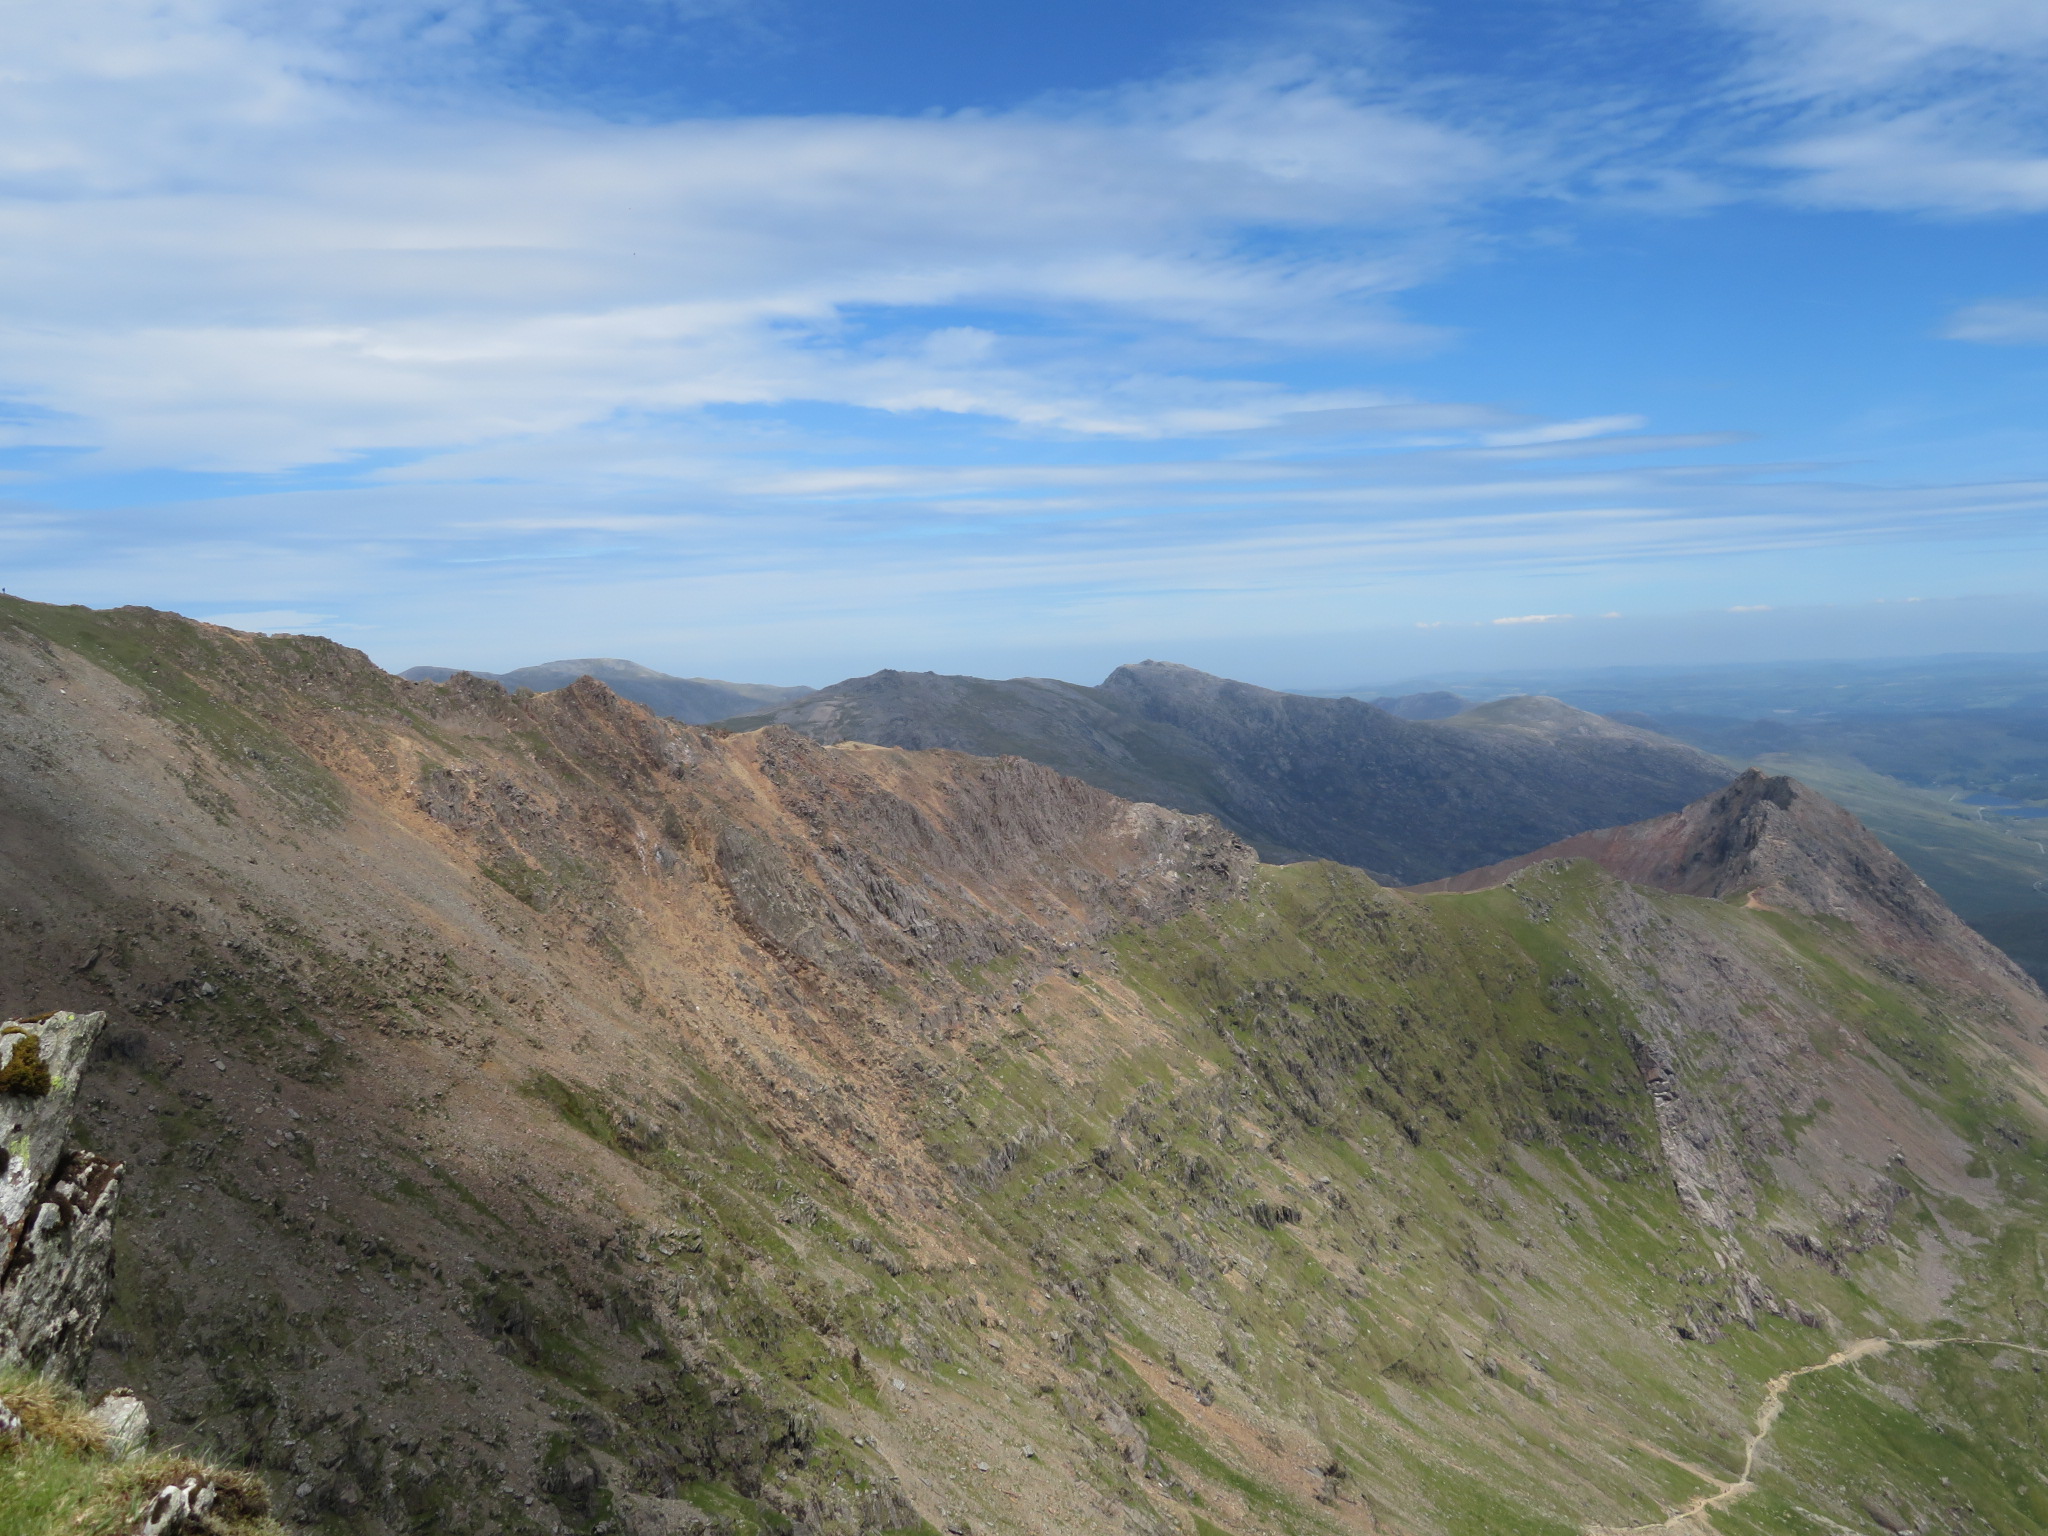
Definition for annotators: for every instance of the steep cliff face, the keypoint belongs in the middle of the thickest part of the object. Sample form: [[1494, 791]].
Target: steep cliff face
[[544, 1117], [64, 1466], [409, 981], [57, 1202]]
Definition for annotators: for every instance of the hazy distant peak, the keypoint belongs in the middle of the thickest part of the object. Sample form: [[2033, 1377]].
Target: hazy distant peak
[[1544, 715], [1299, 776], [1173, 677], [1437, 705], [694, 700], [604, 668]]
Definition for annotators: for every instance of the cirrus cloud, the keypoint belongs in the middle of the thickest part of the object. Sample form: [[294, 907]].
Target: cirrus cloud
[[222, 258]]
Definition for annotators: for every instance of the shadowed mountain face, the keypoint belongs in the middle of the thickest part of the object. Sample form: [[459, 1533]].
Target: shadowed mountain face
[[541, 1117], [1299, 777], [695, 700]]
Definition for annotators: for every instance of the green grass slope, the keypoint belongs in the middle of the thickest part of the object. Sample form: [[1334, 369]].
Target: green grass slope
[[1391, 1203], [58, 1473], [1333, 1209], [1317, 1208]]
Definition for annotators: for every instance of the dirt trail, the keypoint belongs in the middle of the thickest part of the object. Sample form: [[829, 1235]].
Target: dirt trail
[[1692, 1515]]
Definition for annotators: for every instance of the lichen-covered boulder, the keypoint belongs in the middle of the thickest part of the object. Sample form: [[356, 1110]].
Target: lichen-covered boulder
[[125, 1419], [179, 1507], [201, 1506]]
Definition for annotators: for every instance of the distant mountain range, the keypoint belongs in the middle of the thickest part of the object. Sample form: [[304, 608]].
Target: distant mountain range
[[1943, 757], [1938, 755], [1298, 777], [1746, 690], [697, 700]]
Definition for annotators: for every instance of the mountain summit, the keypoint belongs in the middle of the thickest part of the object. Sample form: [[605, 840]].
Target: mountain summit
[[1298, 777], [1770, 841]]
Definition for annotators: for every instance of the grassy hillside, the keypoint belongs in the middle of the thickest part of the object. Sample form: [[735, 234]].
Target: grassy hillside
[[58, 1473], [600, 1125], [1392, 1193]]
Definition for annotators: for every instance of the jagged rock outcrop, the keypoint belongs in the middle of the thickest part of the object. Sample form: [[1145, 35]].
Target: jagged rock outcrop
[[1773, 842], [56, 1201]]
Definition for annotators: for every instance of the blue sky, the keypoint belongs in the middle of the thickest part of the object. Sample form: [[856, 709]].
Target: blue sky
[[783, 340]]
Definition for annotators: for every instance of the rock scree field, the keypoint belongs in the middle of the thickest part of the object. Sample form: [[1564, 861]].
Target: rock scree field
[[540, 1116]]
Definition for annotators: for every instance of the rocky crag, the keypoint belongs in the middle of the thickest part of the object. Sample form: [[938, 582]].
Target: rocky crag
[[1770, 841], [57, 1201], [541, 1116], [64, 1466], [1298, 777]]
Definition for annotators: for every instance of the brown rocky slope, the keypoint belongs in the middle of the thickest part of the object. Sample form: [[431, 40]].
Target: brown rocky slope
[[541, 1116], [358, 932]]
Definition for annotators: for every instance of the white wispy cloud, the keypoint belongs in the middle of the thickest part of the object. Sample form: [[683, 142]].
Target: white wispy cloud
[[1811, 48], [1947, 160], [221, 248], [2010, 321], [580, 351], [219, 256], [1910, 105], [1563, 432]]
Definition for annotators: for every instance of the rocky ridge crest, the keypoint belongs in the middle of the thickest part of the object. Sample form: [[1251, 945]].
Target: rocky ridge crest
[[1772, 842], [1297, 776]]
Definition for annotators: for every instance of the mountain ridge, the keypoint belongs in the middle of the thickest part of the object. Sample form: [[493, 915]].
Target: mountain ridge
[[1771, 841], [545, 1117], [1299, 777], [696, 700]]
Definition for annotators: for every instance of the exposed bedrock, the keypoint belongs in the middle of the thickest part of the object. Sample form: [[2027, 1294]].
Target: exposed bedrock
[[56, 1201]]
